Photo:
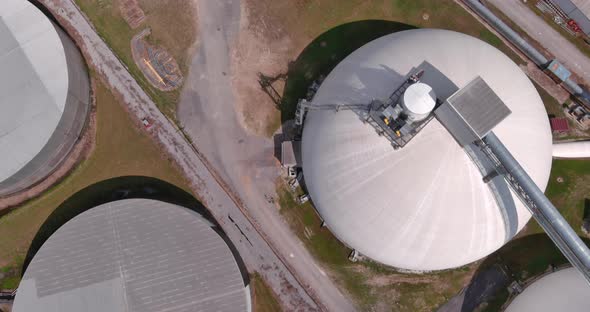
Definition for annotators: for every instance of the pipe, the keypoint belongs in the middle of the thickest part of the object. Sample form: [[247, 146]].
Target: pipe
[[519, 42], [545, 213], [579, 149], [507, 32]]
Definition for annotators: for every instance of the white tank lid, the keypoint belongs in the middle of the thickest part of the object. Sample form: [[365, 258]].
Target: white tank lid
[[419, 98]]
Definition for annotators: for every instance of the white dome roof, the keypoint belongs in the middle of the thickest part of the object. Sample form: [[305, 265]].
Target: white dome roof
[[564, 290], [33, 83], [422, 207]]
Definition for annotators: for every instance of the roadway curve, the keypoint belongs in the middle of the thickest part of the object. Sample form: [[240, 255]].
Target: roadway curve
[[246, 162], [205, 181], [567, 53]]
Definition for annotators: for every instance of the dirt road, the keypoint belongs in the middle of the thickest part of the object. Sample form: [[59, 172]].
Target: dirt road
[[225, 207], [554, 42], [208, 114]]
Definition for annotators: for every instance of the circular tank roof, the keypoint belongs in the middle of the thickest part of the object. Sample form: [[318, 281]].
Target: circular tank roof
[[564, 290], [423, 207], [33, 83], [419, 98], [133, 255]]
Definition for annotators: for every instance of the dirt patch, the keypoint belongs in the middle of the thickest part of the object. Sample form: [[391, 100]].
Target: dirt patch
[[157, 65], [131, 12], [260, 49]]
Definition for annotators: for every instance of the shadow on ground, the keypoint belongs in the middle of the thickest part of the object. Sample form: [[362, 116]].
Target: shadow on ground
[[519, 260], [325, 52], [317, 60], [124, 188]]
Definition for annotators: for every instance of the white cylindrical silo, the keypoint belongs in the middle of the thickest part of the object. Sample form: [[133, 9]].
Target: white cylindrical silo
[[418, 101], [578, 149]]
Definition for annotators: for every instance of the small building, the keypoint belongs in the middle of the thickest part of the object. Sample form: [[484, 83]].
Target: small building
[[557, 71], [290, 151], [559, 125]]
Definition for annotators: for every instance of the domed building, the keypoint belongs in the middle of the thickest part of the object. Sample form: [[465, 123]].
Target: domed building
[[564, 290], [424, 206], [134, 255], [44, 96]]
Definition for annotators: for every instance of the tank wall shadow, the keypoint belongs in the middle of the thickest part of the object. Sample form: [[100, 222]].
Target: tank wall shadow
[[325, 52]]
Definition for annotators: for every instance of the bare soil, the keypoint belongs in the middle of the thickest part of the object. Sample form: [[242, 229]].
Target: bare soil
[[260, 49]]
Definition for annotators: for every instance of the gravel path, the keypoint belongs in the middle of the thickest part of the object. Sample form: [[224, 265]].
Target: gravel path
[[206, 182], [246, 162]]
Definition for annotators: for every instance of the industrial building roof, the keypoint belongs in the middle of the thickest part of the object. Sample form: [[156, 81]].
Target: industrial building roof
[[422, 207], [33, 83], [559, 124], [133, 255], [564, 290]]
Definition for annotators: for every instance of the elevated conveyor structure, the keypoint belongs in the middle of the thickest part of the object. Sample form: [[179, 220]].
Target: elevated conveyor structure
[[546, 214], [470, 115]]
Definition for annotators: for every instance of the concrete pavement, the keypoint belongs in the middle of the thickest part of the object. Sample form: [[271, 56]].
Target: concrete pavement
[[207, 113], [567, 53], [223, 204]]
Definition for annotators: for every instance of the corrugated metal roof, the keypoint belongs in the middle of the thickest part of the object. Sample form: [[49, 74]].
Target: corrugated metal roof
[[133, 255], [559, 124]]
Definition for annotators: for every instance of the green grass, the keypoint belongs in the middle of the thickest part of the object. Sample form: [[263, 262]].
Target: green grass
[[107, 20], [264, 299], [120, 150], [10, 282], [571, 195]]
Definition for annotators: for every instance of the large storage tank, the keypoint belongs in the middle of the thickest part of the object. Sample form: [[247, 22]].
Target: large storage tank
[[44, 95], [564, 290], [424, 206], [134, 255]]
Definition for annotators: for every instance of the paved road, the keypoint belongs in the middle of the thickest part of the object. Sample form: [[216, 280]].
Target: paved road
[[225, 207], [538, 29], [246, 162]]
